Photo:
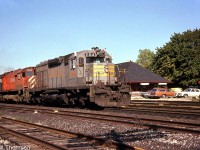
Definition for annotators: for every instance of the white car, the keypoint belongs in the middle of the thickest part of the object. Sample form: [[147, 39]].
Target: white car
[[189, 92]]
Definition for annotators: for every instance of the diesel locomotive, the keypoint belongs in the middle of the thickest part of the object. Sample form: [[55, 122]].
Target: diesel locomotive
[[80, 78]]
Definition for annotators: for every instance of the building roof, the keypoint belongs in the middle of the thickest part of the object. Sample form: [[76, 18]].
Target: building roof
[[138, 74]]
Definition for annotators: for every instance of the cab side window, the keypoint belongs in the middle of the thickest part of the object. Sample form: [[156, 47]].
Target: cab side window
[[72, 63], [23, 74], [18, 76], [81, 61], [108, 60]]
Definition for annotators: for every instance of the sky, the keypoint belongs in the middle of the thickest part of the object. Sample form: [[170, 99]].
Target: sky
[[32, 31]]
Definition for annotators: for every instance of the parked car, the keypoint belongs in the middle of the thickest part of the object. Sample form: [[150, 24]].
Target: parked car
[[189, 92], [145, 94], [161, 92]]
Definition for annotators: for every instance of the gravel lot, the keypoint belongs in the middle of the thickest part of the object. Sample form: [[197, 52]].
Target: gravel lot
[[143, 138]]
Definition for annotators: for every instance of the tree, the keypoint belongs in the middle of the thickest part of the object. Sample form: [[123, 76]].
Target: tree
[[145, 58], [179, 59]]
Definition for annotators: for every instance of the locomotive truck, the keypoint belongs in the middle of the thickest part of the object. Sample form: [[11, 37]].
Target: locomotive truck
[[80, 78]]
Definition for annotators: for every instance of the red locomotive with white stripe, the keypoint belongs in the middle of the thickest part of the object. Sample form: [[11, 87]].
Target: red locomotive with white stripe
[[32, 82], [15, 85]]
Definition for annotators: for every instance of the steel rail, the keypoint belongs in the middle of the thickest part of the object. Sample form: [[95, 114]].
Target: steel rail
[[165, 102], [171, 112], [160, 105], [100, 141], [33, 139], [119, 120]]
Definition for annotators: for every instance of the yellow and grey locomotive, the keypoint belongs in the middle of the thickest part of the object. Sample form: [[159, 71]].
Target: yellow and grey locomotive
[[80, 78]]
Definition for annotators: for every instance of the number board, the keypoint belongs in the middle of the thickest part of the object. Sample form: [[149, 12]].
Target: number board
[[93, 54]]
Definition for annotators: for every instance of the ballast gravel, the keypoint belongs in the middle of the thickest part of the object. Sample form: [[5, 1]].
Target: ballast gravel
[[135, 136]]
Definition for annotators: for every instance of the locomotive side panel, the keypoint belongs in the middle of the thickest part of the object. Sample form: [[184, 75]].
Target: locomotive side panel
[[76, 76], [0, 83], [12, 81], [62, 72], [76, 70], [41, 76], [18, 81], [53, 77], [57, 75], [72, 72], [1, 86]]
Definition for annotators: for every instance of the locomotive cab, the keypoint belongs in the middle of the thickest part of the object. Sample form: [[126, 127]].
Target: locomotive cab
[[99, 67], [105, 89]]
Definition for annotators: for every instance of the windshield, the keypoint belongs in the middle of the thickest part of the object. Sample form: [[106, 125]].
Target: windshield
[[187, 90], [98, 60], [94, 60], [29, 73]]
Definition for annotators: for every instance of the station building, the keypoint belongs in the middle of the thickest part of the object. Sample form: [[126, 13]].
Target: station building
[[140, 78]]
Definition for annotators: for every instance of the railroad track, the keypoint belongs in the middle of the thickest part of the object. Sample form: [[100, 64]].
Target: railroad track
[[50, 138], [174, 109], [187, 104], [166, 106], [155, 124], [163, 111]]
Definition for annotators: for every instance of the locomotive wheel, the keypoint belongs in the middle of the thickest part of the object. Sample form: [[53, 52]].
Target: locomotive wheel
[[72, 101], [32, 101], [82, 102], [38, 101], [64, 99]]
